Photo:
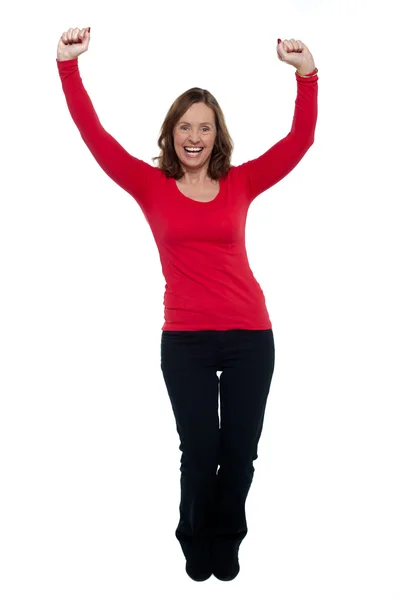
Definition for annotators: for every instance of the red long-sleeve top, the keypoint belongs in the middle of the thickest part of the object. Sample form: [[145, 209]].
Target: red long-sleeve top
[[209, 283]]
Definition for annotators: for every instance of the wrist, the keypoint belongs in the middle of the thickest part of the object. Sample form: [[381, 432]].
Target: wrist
[[62, 57], [306, 69]]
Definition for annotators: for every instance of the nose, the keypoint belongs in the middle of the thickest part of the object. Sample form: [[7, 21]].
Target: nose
[[194, 139]]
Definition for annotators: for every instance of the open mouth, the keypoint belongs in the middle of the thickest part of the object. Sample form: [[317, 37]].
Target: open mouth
[[192, 152]]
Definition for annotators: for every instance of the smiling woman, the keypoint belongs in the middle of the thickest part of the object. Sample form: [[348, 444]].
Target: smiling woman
[[215, 317]]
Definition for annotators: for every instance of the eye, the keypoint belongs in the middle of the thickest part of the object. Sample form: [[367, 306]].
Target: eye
[[183, 126]]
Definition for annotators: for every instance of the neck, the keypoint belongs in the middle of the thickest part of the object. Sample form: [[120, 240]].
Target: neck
[[195, 179]]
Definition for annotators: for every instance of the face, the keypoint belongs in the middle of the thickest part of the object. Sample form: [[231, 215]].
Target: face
[[195, 129]]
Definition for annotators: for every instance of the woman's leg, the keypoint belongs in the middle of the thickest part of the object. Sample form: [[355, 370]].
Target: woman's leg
[[247, 363], [188, 363]]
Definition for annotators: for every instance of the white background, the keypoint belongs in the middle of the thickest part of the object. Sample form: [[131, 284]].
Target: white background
[[89, 457]]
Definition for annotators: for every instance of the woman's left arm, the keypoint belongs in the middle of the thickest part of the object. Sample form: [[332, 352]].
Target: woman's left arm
[[268, 169]]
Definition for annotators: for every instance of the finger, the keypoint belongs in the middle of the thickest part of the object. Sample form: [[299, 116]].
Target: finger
[[296, 46], [76, 33], [299, 45], [283, 50], [71, 35], [287, 46], [280, 51]]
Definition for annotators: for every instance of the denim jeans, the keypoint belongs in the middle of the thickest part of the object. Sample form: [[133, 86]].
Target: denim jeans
[[212, 503]]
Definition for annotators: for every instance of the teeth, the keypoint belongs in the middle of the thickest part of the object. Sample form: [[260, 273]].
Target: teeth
[[193, 149]]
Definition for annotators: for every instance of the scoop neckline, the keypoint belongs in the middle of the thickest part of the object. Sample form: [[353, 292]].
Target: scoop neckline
[[199, 201]]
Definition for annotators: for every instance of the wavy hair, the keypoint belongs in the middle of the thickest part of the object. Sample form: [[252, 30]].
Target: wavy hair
[[169, 163]]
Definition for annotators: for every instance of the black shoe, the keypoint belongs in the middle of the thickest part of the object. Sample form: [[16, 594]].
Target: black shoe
[[199, 561], [226, 572], [198, 573], [225, 565]]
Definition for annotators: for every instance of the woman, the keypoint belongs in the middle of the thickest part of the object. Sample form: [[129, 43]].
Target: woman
[[216, 319]]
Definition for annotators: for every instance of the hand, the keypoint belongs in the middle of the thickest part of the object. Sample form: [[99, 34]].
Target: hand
[[295, 53], [72, 43]]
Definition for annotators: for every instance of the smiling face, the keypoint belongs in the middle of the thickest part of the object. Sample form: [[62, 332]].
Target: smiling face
[[195, 129]]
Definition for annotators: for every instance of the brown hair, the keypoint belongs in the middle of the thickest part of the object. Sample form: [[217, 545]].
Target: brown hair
[[169, 163]]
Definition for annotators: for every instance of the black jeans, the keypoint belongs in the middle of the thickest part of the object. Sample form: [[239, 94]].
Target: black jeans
[[212, 505]]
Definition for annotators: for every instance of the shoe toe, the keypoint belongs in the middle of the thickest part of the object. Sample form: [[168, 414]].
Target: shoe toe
[[226, 572], [198, 573]]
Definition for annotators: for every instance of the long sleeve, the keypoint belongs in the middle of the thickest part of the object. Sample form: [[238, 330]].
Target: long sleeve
[[268, 169], [130, 173]]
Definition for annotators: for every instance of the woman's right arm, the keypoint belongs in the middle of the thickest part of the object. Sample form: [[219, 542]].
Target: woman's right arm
[[130, 173]]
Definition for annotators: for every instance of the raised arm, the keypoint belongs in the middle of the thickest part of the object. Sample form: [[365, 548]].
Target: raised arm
[[268, 169], [128, 172], [272, 166]]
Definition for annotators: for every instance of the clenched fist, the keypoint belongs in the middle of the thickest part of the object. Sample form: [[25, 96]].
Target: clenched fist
[[295, 53], [72, 43]]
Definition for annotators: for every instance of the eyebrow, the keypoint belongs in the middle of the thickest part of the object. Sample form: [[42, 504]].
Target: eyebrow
[[187, 123]]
